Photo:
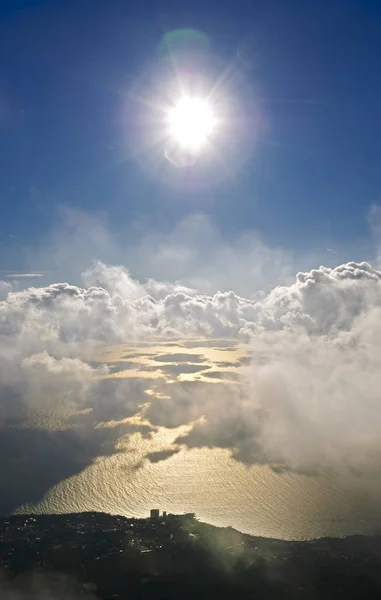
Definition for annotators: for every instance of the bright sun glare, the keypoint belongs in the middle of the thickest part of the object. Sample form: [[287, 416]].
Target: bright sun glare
[[191, 122]]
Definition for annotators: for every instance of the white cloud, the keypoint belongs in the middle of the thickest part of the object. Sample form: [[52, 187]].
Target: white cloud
[[5, 288], [323, 300], [63, 314], [117, 280], [312, 394], [310, 398]]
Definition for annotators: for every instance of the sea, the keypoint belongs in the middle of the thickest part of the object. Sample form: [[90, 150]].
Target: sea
[[221, 490]]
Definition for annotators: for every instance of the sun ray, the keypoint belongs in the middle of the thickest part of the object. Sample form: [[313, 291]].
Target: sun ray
[[230, 69], [159, 106]]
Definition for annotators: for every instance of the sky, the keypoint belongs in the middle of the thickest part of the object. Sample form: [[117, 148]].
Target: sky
[[307, 165], [268, 238]]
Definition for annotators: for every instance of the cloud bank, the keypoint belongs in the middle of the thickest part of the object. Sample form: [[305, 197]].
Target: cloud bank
[[308, 398]]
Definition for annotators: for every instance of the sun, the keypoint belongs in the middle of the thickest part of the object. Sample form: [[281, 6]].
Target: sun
[[191, 122]]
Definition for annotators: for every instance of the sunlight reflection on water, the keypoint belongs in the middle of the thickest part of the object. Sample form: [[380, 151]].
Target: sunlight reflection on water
[[209, 482]]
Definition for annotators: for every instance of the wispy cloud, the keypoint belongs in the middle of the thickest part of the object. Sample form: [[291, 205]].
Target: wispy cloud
[[194, 253], [24, 275]]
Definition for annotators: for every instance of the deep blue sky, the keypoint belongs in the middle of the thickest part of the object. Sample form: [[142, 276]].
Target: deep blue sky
[[66, 70]]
